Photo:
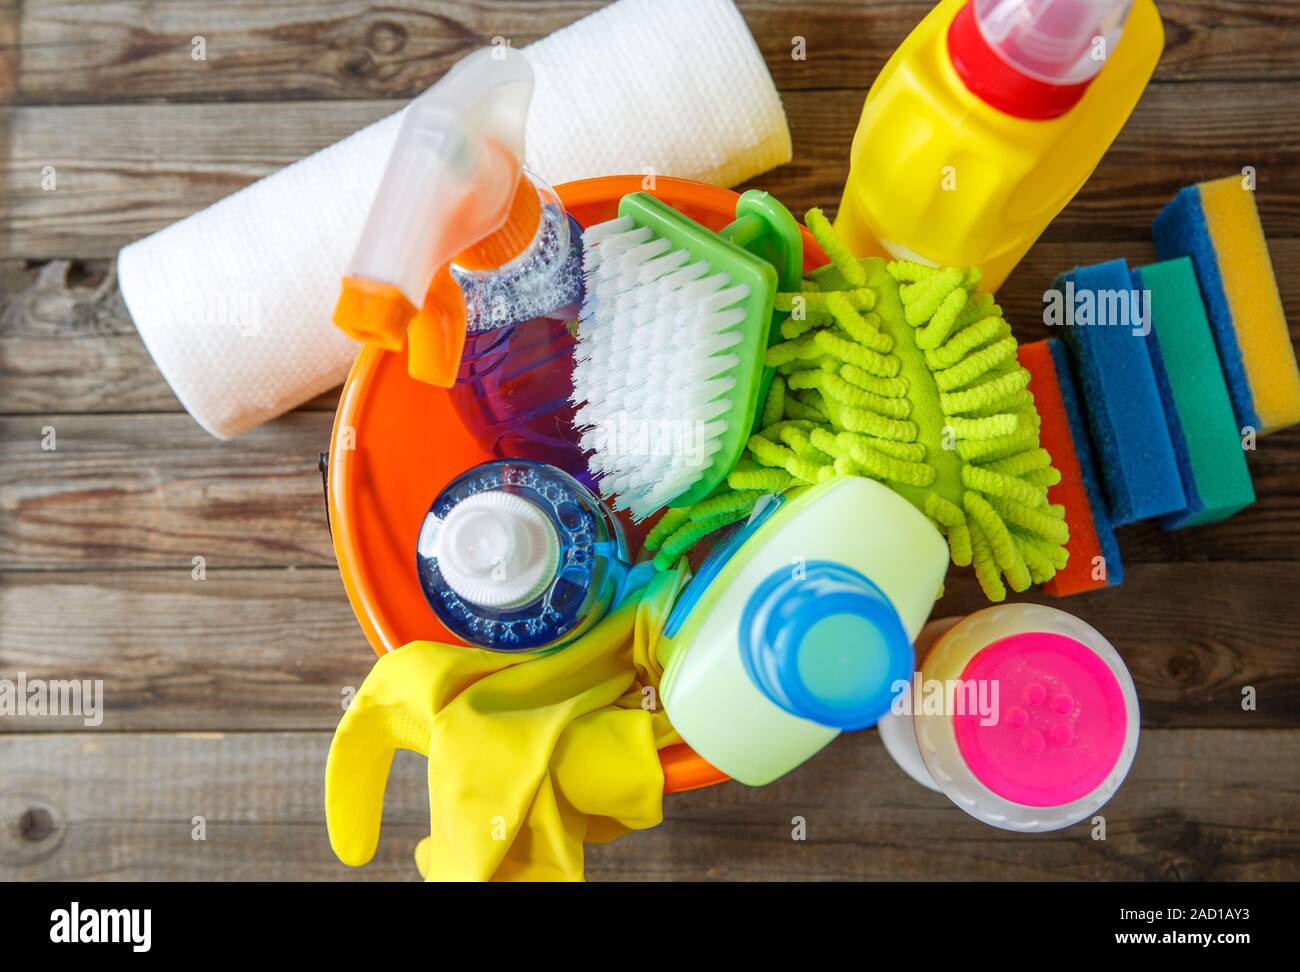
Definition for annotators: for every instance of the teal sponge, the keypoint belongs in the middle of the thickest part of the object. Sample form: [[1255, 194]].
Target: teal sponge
[[1190, 379]]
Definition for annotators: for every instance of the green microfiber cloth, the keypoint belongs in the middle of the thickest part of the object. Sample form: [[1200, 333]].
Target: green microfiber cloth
[[905, 374], [1202, 426]]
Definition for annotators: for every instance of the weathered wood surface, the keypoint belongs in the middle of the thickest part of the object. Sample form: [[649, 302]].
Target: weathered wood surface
[[97, 538], [67, 343], [338, 49], [123, 171], [275, 648], [1197, 805], [146, 490]]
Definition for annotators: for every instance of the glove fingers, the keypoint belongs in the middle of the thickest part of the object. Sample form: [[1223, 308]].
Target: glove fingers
[[356, 774], [390, 712]]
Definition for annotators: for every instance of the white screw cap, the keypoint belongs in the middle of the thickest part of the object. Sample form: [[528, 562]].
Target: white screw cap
[[497, 550]]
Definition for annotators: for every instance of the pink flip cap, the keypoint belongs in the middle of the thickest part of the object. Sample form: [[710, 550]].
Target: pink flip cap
[[1060, 720]]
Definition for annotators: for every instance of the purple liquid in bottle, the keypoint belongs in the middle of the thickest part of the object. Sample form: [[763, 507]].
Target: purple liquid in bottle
[[513, 392], [516, 372]]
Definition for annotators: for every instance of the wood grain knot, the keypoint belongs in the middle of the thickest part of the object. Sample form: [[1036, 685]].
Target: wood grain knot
[[1185, 668], [360, 63], [30, 829], [386, 37]]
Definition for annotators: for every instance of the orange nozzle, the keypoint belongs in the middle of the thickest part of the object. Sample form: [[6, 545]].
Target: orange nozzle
[[375, 312]]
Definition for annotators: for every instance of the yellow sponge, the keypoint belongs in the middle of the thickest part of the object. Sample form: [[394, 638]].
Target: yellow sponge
[[1217, 225]]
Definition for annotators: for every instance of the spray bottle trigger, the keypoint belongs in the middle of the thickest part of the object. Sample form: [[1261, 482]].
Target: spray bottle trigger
[[368, 310], [435, 338]]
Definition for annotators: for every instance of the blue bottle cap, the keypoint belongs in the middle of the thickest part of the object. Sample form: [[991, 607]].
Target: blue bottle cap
[[825, 643]]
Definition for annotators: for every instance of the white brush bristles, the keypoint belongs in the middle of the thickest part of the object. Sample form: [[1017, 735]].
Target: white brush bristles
[[654, 365]]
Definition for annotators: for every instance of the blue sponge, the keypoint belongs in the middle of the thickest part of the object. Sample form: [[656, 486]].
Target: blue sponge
[[1107, 322]]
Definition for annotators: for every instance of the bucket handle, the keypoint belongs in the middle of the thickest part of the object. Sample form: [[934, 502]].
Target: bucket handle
[[323, 464]]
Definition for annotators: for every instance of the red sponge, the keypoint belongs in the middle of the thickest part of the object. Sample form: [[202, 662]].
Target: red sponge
[[1094, 553]]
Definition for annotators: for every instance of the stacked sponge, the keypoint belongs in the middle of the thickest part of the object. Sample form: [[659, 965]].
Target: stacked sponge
[[1176, 361], [1107, 322], [1094, 559], [1194, 393], [1216, 224]]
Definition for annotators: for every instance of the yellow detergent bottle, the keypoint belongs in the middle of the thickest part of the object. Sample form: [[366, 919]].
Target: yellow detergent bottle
[[985, 123]]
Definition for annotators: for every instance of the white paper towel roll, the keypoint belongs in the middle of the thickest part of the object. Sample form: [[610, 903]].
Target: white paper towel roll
[[234, 302]]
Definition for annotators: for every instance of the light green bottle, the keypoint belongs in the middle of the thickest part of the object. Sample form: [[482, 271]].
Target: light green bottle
[[799, 626]]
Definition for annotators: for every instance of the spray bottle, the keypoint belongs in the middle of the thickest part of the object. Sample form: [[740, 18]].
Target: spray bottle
[[469, 263]]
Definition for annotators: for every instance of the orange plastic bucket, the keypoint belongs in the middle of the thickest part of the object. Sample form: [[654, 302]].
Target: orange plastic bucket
[[397, 442]]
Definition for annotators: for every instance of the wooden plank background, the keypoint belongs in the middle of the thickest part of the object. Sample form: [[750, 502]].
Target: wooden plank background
[[223, 692]]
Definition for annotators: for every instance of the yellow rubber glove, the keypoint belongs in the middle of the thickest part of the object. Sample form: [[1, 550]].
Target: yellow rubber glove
[[528, 755]]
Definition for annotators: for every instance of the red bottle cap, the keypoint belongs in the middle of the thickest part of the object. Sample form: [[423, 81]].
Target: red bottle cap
[[1000, 84]]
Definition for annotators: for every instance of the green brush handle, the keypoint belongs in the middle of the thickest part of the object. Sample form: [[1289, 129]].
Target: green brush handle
[[765, 228], [763, 249]]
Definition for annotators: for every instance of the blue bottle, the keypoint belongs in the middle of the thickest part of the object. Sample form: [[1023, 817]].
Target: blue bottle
[[518, 556]]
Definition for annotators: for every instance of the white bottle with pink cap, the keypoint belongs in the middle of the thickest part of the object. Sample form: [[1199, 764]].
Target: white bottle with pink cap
[[1023, 715]]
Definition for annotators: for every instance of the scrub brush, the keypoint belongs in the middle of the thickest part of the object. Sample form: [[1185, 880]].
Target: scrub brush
[[671, 339], [922, 392]]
